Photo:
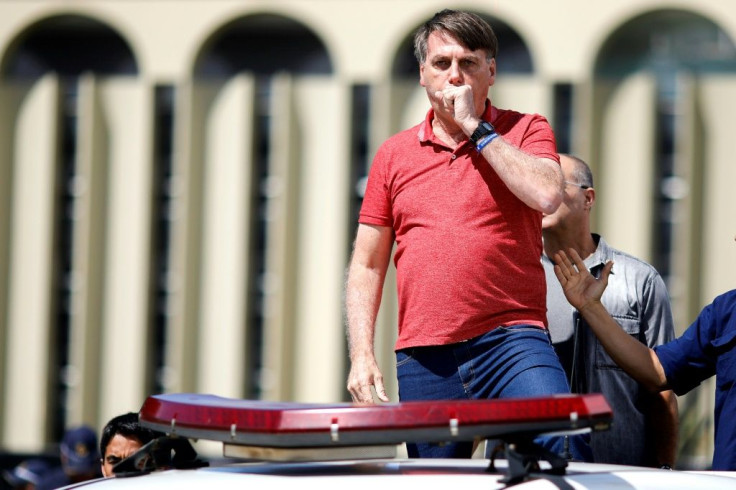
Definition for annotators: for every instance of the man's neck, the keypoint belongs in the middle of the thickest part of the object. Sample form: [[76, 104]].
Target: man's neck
[[582, 243], [448, 132]]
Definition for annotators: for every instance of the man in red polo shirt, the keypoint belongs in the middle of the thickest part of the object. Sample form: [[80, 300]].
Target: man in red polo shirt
[[462, 194]]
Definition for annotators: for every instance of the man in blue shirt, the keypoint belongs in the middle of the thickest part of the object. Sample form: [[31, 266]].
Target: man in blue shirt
[[707, 348]]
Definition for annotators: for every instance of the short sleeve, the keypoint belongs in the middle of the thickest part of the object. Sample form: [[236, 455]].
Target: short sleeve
[[376, 207], [690, 359]]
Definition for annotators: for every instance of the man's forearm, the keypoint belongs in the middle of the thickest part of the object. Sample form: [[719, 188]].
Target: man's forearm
[[362, 300], [364, 286], [638, 360], [537, 182]]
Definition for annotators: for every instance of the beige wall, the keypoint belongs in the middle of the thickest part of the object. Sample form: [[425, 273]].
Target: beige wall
[[361, 35], [308, 203]]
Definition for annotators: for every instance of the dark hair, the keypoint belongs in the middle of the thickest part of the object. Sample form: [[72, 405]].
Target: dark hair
[[126, 425], [470, 29]]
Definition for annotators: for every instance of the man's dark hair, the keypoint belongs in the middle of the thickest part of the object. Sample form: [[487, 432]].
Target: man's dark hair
[[468, 28], [126, 425]]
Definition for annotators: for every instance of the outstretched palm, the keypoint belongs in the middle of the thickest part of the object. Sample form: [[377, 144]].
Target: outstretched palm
[[579, 286]]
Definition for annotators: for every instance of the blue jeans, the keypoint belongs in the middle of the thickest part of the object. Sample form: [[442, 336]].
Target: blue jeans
[[507, 362]]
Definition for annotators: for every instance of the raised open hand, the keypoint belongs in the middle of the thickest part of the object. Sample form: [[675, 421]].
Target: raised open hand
[[579, 286]]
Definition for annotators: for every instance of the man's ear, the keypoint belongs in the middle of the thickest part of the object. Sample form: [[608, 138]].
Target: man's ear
[[492, 68], [589, 197]]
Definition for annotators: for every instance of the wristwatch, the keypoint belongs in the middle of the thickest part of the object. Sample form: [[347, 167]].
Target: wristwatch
[[484, 129]]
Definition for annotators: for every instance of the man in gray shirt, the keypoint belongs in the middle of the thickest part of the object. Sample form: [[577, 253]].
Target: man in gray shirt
[[644, 430]]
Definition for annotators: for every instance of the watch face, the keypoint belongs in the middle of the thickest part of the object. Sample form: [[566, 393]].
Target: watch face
[[484, 128]]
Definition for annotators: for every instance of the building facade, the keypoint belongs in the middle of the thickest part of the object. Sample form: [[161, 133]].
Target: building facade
[[181, 180]]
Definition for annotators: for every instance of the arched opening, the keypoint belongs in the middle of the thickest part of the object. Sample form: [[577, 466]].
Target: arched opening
[[68, 45], [665, 42], [263, 44]]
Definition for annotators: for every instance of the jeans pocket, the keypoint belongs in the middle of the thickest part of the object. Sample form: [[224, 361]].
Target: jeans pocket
[[404, 356]]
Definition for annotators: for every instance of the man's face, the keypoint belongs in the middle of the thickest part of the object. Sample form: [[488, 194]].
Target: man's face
[[448, 63], [119, 448], [576, 202]]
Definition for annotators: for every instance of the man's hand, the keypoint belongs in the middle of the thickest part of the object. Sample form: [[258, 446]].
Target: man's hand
[[457, 101], [364, 375], [580, 287]]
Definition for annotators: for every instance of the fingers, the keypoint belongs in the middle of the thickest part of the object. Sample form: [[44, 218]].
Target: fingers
[[360, 393], [579, 264], [360, 387], [563, 265], [569, 263], [381, 390], [445, 96], [560, 275], [452, 94], [446, 100]]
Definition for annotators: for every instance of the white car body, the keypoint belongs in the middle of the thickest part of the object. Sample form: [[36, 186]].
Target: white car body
[[401, 474], [339, 447]]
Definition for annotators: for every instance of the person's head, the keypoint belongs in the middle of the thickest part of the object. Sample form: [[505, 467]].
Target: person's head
[[468, 28], [27, 474], [457, 48], [79, 455], [121, 437], [573, 214]]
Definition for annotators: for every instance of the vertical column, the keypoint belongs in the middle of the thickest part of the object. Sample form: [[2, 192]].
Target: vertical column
[[187, 197], [11, 97], [626, 167], [128, 108], [322, 116], [226, 240], [31, 275]]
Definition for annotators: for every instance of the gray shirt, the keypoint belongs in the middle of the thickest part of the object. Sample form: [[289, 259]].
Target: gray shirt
[[637, 299]]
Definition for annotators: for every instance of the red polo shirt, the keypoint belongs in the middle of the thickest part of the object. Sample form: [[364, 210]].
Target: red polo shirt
[[467, 249]]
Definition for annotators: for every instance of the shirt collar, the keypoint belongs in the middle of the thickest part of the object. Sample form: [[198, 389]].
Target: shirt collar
[[603, 253]]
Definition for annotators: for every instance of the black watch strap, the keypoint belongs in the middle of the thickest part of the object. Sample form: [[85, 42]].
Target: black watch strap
[[484, 129]]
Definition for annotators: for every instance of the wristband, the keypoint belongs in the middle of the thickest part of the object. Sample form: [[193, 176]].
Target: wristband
[[485, 140]]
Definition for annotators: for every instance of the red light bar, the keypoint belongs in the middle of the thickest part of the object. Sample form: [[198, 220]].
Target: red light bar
[[275, 424]]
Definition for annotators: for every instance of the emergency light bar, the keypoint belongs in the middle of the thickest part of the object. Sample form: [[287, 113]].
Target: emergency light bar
[[262, 424]]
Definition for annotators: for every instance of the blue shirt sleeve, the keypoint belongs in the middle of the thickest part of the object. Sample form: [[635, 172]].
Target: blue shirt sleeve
[[689, 360], [693, 358]]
